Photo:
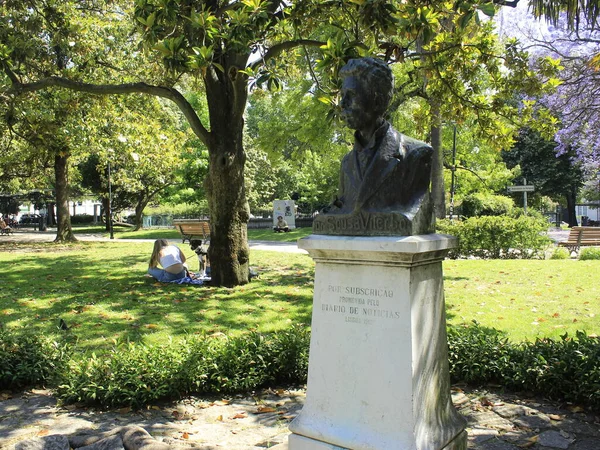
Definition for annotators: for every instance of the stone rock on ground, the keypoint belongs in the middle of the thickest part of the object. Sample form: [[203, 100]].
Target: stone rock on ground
[[525, 423], [254, 421], [55, 442]]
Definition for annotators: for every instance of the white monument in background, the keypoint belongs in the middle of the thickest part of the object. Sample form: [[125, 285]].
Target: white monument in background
[[286, 209]]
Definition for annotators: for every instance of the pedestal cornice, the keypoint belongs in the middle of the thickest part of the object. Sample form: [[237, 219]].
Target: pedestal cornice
[[403, 251]]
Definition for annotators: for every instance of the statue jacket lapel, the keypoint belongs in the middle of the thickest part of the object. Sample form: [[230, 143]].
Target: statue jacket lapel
[[387, 162]]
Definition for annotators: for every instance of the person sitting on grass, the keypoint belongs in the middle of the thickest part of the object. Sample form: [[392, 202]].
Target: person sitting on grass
[[172, 260], [4, 228], [281, 225]]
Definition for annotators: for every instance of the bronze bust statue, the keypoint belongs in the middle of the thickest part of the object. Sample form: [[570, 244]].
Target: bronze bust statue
[[384, 180]]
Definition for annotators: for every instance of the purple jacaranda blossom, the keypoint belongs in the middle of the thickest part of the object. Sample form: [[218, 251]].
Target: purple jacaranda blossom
[[576, 102]]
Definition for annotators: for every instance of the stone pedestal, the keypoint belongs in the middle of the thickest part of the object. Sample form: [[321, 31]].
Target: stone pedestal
[[378, 369]]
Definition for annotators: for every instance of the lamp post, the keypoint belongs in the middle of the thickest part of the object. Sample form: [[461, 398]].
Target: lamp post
[[453, 168], [110, 222]]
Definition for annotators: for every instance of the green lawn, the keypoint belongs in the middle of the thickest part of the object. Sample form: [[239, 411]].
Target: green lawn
[[525, 298], [100, 290]]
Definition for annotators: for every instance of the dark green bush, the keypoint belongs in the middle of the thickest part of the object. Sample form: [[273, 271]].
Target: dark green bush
[[29, 360], [136, 374], [497, 237], [82, 219], [567, 370], [480, 204], [477, 354]]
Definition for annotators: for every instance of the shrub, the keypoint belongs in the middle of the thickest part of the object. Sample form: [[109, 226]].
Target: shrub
[[589, 253], [27, 360], [480, 204], [82, 218], [137, 374], [567, 370], [560, 253], [182, 210], [497, 237], [476, 354]]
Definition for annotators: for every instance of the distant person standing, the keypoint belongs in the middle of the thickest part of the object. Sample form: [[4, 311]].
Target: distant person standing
[[281, 225]]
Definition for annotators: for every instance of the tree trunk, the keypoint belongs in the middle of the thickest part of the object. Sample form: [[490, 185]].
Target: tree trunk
[[51, 215], [438, 192], [64, 232], [139, 209], [571, 201], [229, 211], [106, 214]]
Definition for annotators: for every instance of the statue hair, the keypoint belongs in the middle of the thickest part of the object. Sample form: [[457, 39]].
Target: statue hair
[[375, 75]]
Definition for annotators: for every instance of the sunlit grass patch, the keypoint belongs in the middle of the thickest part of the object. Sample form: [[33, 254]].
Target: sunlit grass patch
[[100, 291]]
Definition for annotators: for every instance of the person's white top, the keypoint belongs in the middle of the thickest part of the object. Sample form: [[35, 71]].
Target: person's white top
[[169, 256]]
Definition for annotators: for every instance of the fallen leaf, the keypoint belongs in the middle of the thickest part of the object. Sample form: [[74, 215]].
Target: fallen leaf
[[185, 435], [240, 415], [221, 403], [264, 409], [486, 402], [220, 418], [576, 409], [554, 417], [530, 442], [556, 315], [43, 432]]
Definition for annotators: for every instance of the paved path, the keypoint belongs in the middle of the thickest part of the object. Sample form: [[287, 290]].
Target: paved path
[[496, 421], [49, 236]]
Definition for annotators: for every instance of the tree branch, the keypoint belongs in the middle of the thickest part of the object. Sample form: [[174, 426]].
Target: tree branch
[[118, 89], [512, 4], [277, 49]]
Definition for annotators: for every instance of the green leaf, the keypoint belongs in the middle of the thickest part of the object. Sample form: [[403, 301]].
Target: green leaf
[[488, 9]]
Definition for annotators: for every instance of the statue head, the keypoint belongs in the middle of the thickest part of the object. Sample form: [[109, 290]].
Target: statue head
[[367, 85]]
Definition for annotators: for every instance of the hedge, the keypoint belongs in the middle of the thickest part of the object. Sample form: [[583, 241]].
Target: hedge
[[136, 374]]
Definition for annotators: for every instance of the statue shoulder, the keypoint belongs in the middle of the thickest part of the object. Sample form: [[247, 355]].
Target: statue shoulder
[[412, 144]]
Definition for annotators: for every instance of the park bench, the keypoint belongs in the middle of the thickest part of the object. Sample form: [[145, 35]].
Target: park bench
[[581, 237], [193, 228]]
